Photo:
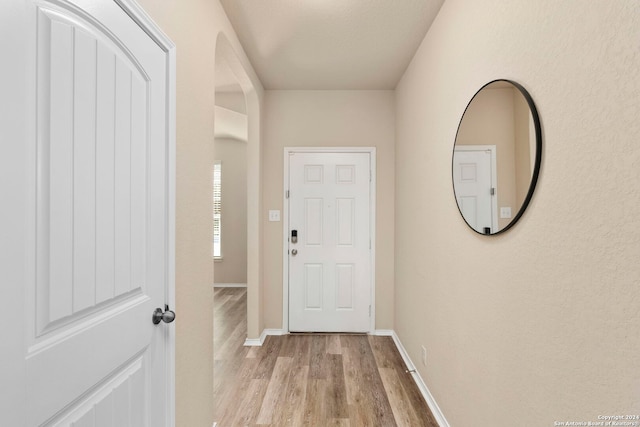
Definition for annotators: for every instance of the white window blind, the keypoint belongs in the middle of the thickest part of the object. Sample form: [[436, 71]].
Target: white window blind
[[217, 209]]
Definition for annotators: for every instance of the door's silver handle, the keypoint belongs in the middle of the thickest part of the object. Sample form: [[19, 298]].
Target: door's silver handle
[[166, 316], [294, 252]]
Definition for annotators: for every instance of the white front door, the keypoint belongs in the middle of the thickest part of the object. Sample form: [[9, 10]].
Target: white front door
[[86, 177], [474, 186], [330, 263]]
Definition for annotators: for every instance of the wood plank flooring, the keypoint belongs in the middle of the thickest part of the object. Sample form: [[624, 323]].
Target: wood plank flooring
[[308, 379]]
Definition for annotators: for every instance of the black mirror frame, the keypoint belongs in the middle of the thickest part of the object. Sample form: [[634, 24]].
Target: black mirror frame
[[537, 163]]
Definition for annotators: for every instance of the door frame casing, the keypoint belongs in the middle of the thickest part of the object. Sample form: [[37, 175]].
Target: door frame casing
[[285, 225]]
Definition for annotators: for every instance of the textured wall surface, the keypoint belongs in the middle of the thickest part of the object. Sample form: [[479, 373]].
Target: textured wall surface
[[540, 324], [194, 27], [326, 119]]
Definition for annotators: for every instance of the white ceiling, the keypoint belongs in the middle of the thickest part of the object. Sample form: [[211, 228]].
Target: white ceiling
[[331, 44]]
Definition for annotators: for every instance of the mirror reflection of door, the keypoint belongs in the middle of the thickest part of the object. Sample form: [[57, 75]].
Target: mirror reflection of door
[[474, 178]]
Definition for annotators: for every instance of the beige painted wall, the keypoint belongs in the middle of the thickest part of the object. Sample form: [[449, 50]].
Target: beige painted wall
[[232, 268], [194, 27], [320, 119], [539, 324], [232, 100]]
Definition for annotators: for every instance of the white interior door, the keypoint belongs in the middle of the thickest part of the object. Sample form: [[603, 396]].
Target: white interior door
[[90, 218], [475, 186], [330, 264]]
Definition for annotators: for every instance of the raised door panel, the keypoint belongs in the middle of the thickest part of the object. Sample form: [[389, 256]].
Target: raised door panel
[[345, 222], [313, 286], [92, 174], [345, 284], [114, 403], [313, 222]]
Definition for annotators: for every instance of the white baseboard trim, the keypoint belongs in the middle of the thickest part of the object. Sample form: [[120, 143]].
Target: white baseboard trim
[[431, 402], [384, 333], [257, 342], [229, 285]]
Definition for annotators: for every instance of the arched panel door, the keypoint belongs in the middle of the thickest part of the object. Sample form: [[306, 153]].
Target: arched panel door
[[98, 244]]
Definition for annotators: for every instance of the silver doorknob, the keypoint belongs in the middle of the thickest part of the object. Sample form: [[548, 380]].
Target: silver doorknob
[[294, 252], [166, 316]]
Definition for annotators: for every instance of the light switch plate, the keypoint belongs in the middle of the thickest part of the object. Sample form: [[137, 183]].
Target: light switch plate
[[274, 216], [505, 212]]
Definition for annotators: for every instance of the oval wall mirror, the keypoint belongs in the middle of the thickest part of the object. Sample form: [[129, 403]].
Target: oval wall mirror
[[496, 157]]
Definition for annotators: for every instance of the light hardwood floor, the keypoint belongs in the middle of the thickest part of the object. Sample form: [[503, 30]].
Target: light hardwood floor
[[308, 379]]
